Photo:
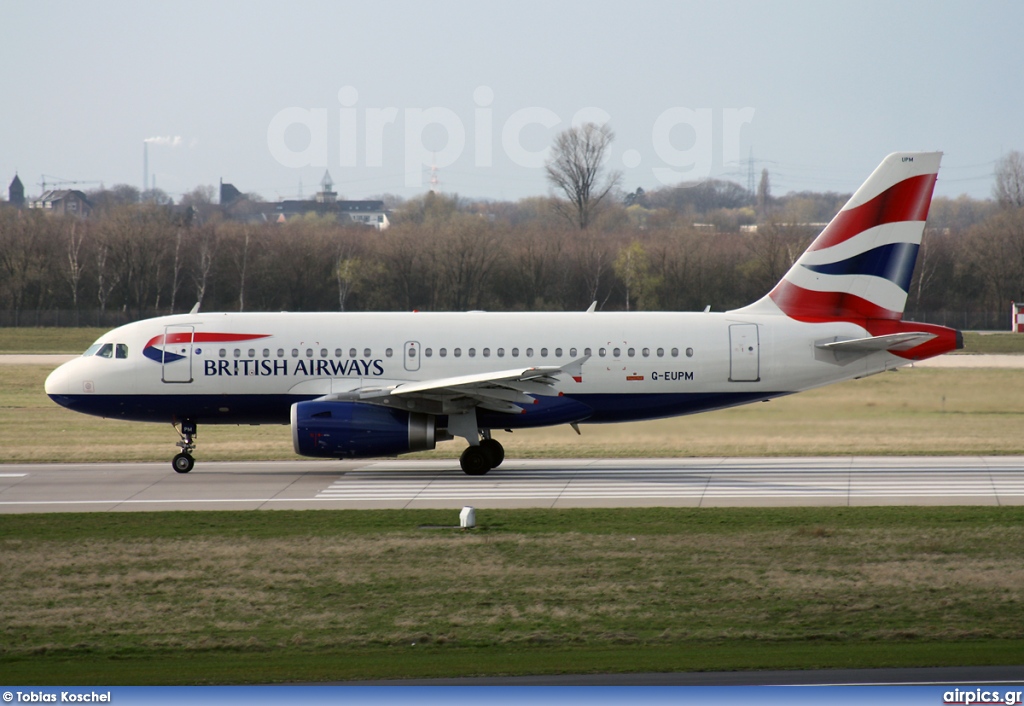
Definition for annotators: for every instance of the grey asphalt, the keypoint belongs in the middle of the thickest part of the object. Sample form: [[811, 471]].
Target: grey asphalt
[[537, 483]]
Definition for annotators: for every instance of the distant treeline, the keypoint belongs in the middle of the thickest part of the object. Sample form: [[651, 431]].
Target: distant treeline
[[131, 260]]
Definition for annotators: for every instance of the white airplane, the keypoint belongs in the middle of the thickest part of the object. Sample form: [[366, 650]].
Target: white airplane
[[356, 385]]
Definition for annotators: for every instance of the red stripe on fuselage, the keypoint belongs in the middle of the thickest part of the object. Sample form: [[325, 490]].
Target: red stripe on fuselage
[[184, 337], [906, 201]]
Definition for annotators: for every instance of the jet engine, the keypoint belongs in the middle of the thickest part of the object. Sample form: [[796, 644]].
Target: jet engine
[[358, 430]]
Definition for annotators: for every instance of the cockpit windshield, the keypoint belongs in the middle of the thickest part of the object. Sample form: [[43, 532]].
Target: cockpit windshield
[[107, 350]]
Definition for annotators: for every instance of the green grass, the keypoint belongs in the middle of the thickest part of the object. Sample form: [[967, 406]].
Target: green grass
[[24, 340], [993, 343], [235, 597]]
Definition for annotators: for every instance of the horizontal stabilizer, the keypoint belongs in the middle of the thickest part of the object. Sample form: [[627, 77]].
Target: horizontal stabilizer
[[890, 342]]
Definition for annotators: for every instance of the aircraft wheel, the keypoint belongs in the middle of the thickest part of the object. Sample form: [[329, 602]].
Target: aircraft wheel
[[495, 451], [475, 461], [183, 463]]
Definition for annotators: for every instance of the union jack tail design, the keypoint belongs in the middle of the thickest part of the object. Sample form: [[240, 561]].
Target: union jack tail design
[[859, 267]]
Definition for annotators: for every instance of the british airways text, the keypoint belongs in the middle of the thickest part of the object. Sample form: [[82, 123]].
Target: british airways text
[[320, 367]]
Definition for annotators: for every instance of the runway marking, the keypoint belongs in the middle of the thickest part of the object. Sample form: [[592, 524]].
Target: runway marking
[[13, 475]]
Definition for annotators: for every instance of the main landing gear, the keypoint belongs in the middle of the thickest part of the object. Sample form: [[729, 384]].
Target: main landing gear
[[477, 460], [183, 462]]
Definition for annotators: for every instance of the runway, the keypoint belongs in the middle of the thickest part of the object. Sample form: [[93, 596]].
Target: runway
[[561, 483]]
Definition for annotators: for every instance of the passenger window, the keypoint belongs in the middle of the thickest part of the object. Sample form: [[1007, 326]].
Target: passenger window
[[631, 352], [543, 352], [572, 352], [323, 352], [222, 353], [443, 352], [238, 353], [428, 352], [388, 352], [412, 352], [487, 352], [295, 352], [252, 353], [337, 352], [106, 350], [586, 351], [689, 352], [529, 352], [367, 352], [661, 352], [472, 352], [501, 352], [351, 352], [457, 352], [602, 352], [675, 352], [266, 352], [646, 352], [515, 352], [122, 350], [309, 352], [617, 353], [280, 352]]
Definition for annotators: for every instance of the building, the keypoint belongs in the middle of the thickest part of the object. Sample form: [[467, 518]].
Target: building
[[16, 193], [63, 201], [324, 204]]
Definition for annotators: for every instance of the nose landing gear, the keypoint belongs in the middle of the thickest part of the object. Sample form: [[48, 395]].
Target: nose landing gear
[[183, 462]]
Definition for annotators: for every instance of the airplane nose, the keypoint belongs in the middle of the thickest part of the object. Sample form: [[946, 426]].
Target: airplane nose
[[57, 381]]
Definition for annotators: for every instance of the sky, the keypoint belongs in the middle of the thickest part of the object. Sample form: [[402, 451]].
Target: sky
[[388, 95]]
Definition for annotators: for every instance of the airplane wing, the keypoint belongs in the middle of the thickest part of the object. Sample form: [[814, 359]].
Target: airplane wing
[[890, 342], [500, 391]]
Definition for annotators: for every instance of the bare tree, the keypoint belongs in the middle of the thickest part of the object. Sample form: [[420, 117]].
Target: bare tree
[[76, 264], [1009, 188], [577, 168]]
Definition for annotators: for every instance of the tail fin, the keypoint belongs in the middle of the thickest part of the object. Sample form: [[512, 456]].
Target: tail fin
[[860, 266]]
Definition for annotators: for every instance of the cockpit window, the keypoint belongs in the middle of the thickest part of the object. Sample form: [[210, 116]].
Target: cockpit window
[[106, 350], [91, 350], [122, 350]]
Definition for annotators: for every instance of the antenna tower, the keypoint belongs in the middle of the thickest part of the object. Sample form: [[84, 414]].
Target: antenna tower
[[750, 172], [435, 181]]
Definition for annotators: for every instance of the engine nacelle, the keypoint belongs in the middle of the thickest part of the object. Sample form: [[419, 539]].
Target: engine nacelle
[[357, 430]]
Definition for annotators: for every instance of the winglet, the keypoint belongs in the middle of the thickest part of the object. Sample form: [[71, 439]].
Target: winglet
[[592, 308]]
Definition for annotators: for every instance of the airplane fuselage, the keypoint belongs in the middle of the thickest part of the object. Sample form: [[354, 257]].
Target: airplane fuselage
[[638, 365]]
